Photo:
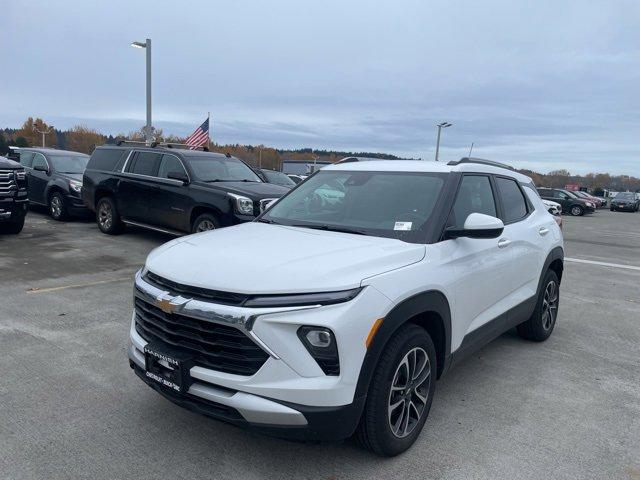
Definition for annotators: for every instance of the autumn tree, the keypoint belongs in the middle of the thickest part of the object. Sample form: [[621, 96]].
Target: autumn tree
[[33, 138], [83, 139]]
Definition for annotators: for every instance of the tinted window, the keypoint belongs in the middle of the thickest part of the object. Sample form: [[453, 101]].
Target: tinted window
[[39, 160], [514, 205], [278, 178], [26, 159], [105, 159], [545, 192], [474, 196], [170, 164], [69, 163], [386, 204], [145, 163]]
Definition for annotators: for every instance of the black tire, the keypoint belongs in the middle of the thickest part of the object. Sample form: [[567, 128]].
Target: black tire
[[375, 431], [57, 207], [539, 327], [204, 223], [612, 209], [107, 216], [576, 210], [12, 228]]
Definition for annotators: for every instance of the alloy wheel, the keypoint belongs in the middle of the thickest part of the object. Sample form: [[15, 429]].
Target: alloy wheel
[[576, 211], [56, 207], [409, 392], [204, 226], [550, 305], [105, 215]]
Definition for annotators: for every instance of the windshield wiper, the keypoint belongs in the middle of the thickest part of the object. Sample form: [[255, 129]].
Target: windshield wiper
[[264, 220], [332, 228], [228, 180]]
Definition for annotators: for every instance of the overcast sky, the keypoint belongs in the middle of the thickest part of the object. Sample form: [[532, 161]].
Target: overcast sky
[[543, 85]]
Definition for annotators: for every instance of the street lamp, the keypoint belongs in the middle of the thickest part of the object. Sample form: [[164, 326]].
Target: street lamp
[[440, 127], [148, 129], [42, 132]]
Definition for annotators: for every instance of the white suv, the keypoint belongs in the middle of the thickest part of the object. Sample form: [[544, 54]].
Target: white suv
[[335, 311]]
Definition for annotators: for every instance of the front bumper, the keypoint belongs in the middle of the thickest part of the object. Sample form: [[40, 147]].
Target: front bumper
[[289, 396], [12, 209], [623, 206], [75, 206]]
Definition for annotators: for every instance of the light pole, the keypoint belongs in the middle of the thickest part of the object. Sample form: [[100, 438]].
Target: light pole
[[440, 127], [43, 132], [148, 129]]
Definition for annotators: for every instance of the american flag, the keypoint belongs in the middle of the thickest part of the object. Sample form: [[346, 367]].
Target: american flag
[[200, 137]]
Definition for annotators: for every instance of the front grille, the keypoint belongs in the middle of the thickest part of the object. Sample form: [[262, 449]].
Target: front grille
[[215, 296], [7, 182], [215, 346]]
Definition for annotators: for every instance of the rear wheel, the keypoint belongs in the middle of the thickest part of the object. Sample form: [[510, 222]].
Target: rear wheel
[[57, 207], [204, 223], [539, 327], [107, 216], [577, 211], [12, 228], [400, 394]]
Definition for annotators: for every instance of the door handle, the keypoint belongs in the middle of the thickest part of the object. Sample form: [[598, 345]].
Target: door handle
[[543, 231], [504, 242]]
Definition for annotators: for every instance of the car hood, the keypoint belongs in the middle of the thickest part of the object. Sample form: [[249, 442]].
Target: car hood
[[9, 164], [253, 190], [257, 258]]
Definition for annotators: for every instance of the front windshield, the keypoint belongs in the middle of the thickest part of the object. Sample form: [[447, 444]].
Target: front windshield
[[69, 163], [625, 196], [221, 169], [385, 204], [278, 178]]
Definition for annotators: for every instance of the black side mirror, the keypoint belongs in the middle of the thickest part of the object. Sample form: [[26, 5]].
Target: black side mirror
[[41, 168], [180, 176]]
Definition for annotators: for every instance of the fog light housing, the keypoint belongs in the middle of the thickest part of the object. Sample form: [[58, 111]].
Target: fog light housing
[[321, 345]]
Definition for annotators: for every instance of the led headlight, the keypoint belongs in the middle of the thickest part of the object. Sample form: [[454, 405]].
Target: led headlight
[[75, 186], [242, 204]]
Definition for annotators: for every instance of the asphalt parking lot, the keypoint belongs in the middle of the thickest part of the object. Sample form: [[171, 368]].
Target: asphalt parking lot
[[70, 407]]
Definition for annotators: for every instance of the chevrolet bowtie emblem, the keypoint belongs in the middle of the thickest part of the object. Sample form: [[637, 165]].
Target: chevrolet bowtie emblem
[[165, 305]]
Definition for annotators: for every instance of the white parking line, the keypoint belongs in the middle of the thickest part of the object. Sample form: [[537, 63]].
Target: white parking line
[[603, 264]]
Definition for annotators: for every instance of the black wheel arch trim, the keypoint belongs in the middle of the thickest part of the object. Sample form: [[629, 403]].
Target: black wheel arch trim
[[431, 301], [556, 254]]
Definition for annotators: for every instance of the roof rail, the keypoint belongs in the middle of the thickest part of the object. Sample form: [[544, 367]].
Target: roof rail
[[348, 160], [161, 144], [481, 162], [362, 159]]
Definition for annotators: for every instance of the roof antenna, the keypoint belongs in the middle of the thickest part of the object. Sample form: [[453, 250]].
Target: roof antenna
[[470, 149]]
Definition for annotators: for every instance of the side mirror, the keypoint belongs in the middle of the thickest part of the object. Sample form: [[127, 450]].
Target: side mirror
[[41, 168], [180, 176], [477, 225]]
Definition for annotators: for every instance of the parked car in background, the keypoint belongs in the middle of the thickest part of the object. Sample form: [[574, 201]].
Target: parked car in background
[[296, 178], [172, 189], [570, 202], [13, 196], [275, 177], [625, 201], [54, 179], [553, 208], [595, 200], [357, 307]]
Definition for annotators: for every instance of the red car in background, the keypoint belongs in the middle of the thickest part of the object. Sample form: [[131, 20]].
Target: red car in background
[[598, 202]]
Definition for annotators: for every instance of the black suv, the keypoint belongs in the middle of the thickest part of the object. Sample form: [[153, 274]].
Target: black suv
[[13, 196], [54, 179], [172, 189], [625, 201], [570, 202]]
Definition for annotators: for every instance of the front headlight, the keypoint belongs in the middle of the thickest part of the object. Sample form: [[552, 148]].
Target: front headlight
[[242, 204], [590, 204], [75, 186]]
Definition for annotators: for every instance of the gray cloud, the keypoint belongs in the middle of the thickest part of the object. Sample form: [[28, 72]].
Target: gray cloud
[[544, 84]]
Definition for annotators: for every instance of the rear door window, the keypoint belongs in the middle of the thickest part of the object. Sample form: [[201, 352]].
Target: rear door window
[[514, 206], [144, 163], [475, 195]]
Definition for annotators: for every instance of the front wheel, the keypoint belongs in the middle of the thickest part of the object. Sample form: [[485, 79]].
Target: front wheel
[[577, 211], [57, 207], [204, 223], [400, 393], [539, 327]]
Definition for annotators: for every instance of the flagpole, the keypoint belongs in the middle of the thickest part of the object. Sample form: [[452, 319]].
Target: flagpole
[[209, 132]]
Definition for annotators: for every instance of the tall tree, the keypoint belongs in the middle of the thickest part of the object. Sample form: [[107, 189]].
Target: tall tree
[[83, 139], [33, 138]]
